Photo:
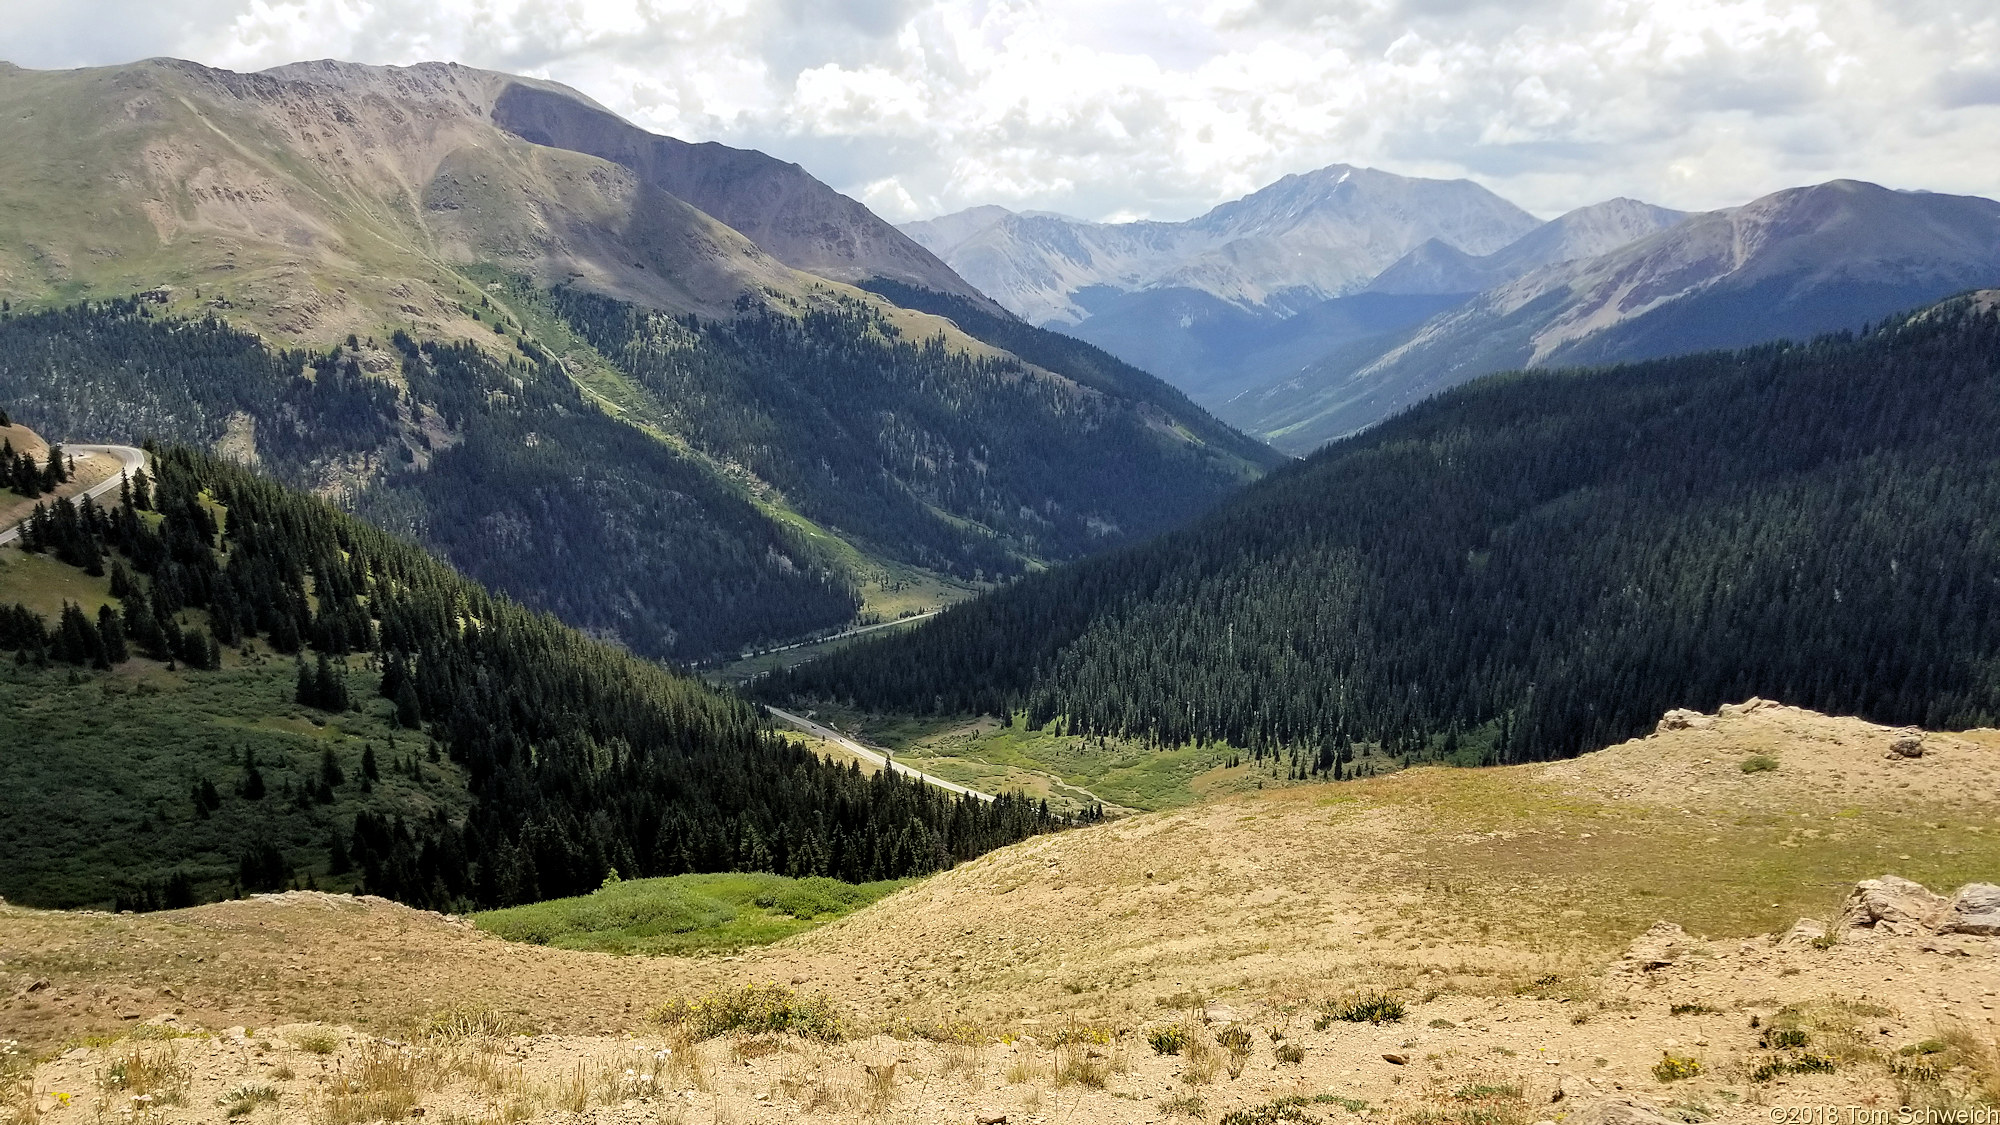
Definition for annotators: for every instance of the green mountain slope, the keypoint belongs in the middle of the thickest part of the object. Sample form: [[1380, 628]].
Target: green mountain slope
[[220, 684], [1535, 565], [754, 449], [503, 468]]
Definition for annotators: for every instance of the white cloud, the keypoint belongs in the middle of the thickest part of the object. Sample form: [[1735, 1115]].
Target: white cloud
[[1165, 108]]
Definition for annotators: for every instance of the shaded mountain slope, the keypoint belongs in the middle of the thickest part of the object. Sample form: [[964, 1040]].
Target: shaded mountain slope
[[502, 468], [1534, 565]]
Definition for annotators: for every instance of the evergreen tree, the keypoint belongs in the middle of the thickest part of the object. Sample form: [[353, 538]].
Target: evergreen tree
[[111, 636], [331, 776]]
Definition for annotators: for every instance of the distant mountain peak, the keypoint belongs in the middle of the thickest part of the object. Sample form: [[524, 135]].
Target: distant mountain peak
[[1303, 238]]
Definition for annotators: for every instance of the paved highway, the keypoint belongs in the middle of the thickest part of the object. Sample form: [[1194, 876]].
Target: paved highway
[[129, 459], [868, 755]]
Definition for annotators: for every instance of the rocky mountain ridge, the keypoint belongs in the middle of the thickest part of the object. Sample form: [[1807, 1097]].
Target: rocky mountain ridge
[[1794, 263], [1300, 240]]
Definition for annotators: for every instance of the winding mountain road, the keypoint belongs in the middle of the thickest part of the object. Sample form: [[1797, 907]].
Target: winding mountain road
[[869, 755], [130, 460]]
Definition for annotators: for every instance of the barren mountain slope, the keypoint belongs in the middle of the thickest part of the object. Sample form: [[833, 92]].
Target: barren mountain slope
[[321, 198], [778, 206], [1496, 906]]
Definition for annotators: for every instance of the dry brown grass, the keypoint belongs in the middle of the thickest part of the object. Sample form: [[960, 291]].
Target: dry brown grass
[[146, 1077], [1955, 1069], [385, 1083]]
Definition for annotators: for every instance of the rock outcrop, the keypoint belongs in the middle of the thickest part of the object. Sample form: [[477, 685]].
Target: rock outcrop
[[1895, 905], [1657, 948], [1680, 718]]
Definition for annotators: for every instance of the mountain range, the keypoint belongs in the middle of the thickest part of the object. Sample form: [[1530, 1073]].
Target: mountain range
[[632, 380], [1418, 285]]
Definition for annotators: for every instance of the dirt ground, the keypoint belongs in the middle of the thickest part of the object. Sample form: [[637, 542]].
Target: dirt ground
[[1496, 907]]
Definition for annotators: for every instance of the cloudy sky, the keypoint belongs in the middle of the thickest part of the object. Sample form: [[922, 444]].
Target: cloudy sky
[[1122, 109]]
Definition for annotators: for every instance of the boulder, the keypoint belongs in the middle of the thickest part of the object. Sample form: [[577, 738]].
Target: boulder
[[1975, 909], [1657, 948], [1893, 905], [1749, 706], [1680, 718], [1907, 744]]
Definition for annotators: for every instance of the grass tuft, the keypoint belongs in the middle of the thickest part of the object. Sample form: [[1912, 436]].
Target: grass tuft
[[1376, 1008], [754, 1009], [244, 1100]]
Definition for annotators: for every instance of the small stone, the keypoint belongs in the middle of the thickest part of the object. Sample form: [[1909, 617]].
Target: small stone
[[1399, 1060]]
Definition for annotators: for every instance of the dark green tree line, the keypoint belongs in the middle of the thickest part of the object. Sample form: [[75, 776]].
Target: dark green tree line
[[1535, 565], [579, 758]]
